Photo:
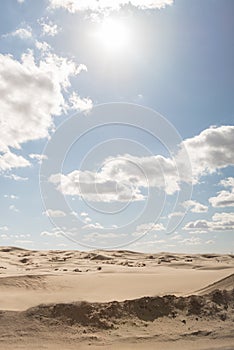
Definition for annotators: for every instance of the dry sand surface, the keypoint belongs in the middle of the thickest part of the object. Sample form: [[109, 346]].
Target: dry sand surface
[[115, 300]]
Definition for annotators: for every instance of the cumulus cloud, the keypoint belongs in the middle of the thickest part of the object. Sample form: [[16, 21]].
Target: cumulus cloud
[[22, 33], [146, 228], [107, 5], [4, 236], [197, 225], [95, 187], [87, 219], [211, 150], [4, 228], [80, 104], [225, 218], [175, 214], [10, 196], [220, 222], [151, 226], [224, 198], [31, 94], [228, 182], [195, 206], [48, 27], [56, 233], [12, 207], [191, 241], [210, 241], [15, 177], [43, 46], [74, 213], [38, 157], [54, 213], [96, 226], [9, 160], [122, 178]]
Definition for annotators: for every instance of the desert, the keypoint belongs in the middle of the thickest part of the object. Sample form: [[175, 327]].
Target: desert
[[115, 300]]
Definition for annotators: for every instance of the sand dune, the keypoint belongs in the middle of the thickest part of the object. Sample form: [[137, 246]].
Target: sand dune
[[226, 283], [115, 300]]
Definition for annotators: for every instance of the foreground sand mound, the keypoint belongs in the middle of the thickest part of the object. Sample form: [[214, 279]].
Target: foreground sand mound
[[218, 304]]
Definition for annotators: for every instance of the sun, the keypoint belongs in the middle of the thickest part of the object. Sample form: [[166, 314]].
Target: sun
[[113, 34]]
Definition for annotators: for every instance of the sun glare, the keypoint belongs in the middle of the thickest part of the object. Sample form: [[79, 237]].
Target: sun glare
[[113, 35]]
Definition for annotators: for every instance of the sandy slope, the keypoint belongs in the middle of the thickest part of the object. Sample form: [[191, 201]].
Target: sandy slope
[[30, 278]]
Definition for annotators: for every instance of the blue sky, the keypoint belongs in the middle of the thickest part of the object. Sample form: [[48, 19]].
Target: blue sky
[[145, 80]]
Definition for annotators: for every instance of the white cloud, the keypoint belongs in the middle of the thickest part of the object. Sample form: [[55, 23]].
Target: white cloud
[[38, 157], [56, 233], [223, 221], [176, 213], [10, 160], [122, 178], [4, 228], [49, 28], [220, 222], [54, 213], [211, 150], [95, 187], [31, 94], [151, 226], [15, 177], [147, 228], [96, 226], [83, 214], [22, 33], [4, 236], [114, 226], [197, 225], [12, 207], [191, 241], [24, 235], [43, 46], [228, 182], [107, 5], [87, 220], [10, 196], [224, 198], [211, 241], [20, 1], [80, 104], [195, 206]]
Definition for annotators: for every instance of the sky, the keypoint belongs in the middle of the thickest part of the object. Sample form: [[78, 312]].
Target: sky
[[117, 125]]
